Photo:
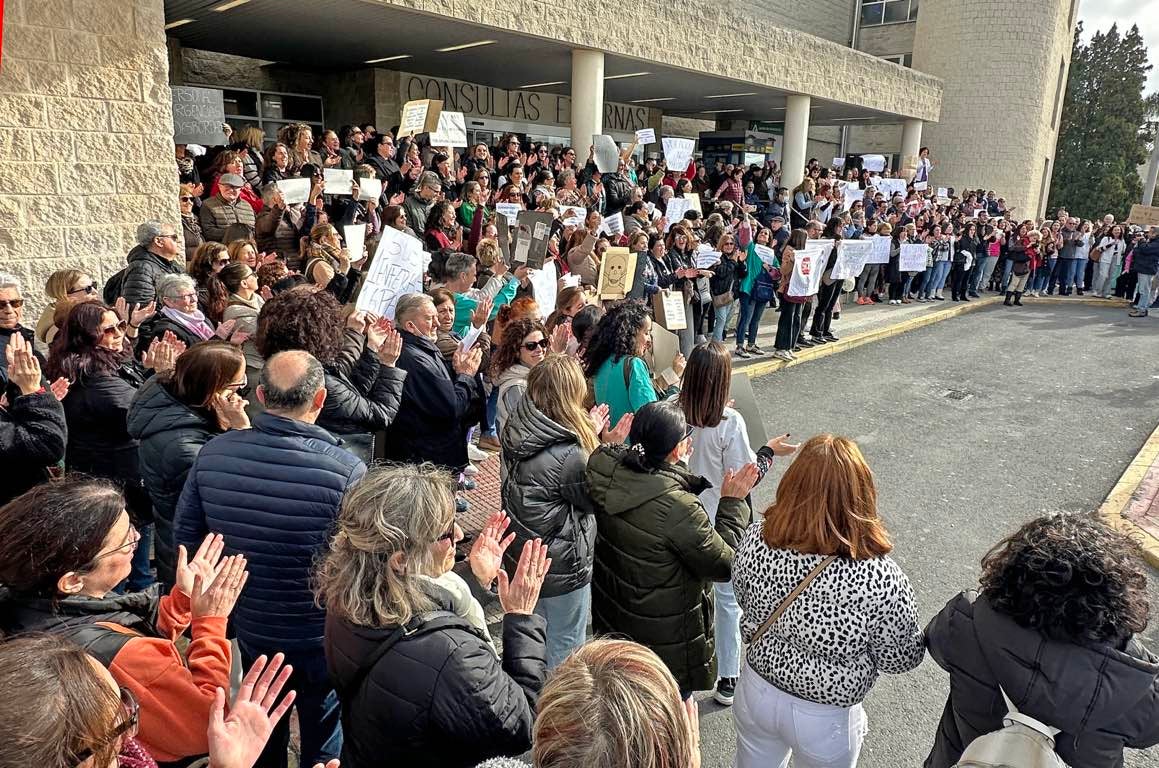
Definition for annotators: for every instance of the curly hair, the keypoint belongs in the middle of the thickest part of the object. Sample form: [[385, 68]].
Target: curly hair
[[615, 336], [301, 318], [507, 351], [1071, 577]]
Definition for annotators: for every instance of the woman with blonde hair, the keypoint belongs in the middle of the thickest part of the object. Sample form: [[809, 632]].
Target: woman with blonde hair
[[388, 608], [63, 286], [825, 610], [328, 264], [546, 441]]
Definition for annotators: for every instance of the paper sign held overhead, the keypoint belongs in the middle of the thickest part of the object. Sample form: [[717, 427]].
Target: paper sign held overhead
[[533, 229], [420, 116], [873, 163], [942, 191], [355, 238], [675, 210], [338, 181], [617, 273], [451, 131], [613, 225], [369, 189], [397, 269], [294, 190], [544, 286], [678, 153], [921, 186], [607, 155], [646, 136], [839, 162], [766, 254], [197, 115]]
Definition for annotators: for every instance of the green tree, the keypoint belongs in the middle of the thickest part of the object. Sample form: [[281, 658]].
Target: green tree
[[1103, 133]]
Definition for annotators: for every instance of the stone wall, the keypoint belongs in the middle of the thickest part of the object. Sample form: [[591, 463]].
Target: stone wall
[[888, 39], [828, 19], [86, 135], [998, 128]]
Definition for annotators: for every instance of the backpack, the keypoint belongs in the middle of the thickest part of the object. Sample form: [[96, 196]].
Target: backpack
[[1022, 742], [113, 286]]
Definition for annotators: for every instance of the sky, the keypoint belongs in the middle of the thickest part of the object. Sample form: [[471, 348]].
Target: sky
[[1100, 14]]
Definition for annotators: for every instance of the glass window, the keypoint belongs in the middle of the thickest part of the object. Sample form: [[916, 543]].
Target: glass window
[[271, 111], [896, 11], [876, 12], [872, 13], [913, 10]]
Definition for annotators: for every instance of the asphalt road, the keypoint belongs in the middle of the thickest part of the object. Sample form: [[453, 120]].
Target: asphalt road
[[1058, 399]]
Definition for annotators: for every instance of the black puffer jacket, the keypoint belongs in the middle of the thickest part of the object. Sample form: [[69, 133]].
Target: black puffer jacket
[[170, 434], [727, 274], [366, 401], [1102, 698], [156, 326], [546, 496], [440, 696], [139, 282], [32, 437]]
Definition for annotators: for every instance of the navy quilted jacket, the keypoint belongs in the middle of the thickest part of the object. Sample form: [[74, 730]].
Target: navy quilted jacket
[[273, 492]]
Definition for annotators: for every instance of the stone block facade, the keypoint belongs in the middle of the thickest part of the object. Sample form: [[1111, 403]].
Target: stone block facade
[[828, 19], [86, 135]]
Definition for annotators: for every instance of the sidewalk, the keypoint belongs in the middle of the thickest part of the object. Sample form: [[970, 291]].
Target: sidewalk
[[1133, 504]]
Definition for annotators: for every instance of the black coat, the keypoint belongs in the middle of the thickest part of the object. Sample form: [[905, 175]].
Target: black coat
[[139, 282], [438, 698], [727, 274], [1101, 698], [170, 434], [32, 437], [362, 404], [156, 326], [432, 419], [1146, 258]]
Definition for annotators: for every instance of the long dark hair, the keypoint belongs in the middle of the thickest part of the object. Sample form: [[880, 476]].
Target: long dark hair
[[657, 429], [615, 336], [706, 383], [75, 351], [507, 350], [203, 370]]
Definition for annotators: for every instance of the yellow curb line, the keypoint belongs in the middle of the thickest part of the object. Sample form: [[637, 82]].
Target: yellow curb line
[[1091, 302], [865, 337], [1117, 500]]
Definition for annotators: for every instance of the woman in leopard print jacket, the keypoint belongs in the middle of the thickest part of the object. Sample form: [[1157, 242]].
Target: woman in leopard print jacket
[[803, 680]]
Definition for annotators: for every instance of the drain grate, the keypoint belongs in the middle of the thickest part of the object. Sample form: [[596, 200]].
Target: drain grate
[[957, 394]]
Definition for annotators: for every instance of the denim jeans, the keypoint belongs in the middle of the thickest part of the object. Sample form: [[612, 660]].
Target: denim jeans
[[750, 320], [910, 282], [1065, 274], [982, 273], [1006, 272], [1041, 278], [726, 628], [1143, 286], [722, 317], [141, 577], [935, 278], [491, 414], [772, 725], [317, 705], [567, 622]]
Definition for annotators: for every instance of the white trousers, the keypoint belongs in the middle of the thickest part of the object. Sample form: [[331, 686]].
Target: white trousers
[[771, 725]]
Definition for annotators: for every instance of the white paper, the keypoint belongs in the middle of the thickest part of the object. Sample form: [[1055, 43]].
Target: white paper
[[678, 153], [369, 189], [921, 186], [852, 195], [510, 212], [754, 158], [355, 237], [766, 254], [881, 248], [452, 130], [614, 224], [839, 162], [646, 136], [808, 267], [572, 215], [522, 248], [851, 258], [891, 187], [706, 258], [942, 191], [873, 163], [338, 181], [570, 280], [470, 339], [295, 190], [607, 155], [675, 210], [913, 257], [544, 285], [397, 269]]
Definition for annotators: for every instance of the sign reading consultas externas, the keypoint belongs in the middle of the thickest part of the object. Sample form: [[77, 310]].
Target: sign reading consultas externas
[[520, 106]]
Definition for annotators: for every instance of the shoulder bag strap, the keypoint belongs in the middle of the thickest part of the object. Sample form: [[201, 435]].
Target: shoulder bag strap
[[769, 622], [417, 625]]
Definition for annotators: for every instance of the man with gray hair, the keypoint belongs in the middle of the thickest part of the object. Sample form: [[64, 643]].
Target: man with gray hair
[[426, 191], [155, 254], [273, 492]]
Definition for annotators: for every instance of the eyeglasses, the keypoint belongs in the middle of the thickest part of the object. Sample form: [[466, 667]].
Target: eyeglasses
[[90, 288], [14, 303], [242, 388], [113, 330], [130, 545], [186, 198], [531, 346], [173, 237], [450, 534], [688, 431], [127, 727]]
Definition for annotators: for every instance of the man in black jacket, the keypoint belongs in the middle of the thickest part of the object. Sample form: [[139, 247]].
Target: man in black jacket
[[155, 254], [437, 400], [32, 426], [1145, 263]]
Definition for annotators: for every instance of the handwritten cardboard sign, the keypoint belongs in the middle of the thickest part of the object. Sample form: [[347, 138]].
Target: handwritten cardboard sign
[[197, 116]]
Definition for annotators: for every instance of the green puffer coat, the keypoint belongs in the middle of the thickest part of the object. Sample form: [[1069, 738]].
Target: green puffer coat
[[656, 554]]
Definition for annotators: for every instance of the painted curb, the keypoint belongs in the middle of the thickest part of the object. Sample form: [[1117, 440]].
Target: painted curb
[[1111, 511]]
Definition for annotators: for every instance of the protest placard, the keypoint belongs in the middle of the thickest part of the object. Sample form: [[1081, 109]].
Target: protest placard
[[678, 153], [853, 194], [572, 215], [544, 286], [614, 224], [509, 211], [617, 273], [294, 190], [369, 189], [675, 210], [534, 229], [198, 114], [767, 255], [607, 156], [881, 247], [851, 258], [355, 237], [338, 181], [754, 158], [419, 116], [646, 136], [839, 162], [1144, 215], [891, 187], [668, 309], [913, 257], [706, 256], [397, 269], [921, 186], [744, 402], [808, 267], [942, 191], [873, 163], [451, 130], [665, 348]]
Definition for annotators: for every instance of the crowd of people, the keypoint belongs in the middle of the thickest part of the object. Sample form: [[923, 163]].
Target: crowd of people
[[217, 462]]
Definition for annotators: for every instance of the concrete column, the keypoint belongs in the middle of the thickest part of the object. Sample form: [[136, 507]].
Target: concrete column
[[794, 153], [911, 144], [587, 96], [1152, 175]]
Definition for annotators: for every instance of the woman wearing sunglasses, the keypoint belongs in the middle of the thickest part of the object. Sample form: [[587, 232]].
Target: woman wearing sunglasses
[[172, 416], [522, 346], [63, 286], [190, 224], [84, 542]]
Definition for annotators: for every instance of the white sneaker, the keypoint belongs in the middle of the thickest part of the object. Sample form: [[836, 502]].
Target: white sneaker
[[783, 354], [475, 454], [470, 470]]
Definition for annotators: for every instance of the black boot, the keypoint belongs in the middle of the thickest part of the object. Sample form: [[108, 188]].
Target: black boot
[[1018, 298], [1009, 296]]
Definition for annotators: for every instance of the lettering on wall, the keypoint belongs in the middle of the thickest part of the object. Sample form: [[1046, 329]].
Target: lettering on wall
[[525, 106]]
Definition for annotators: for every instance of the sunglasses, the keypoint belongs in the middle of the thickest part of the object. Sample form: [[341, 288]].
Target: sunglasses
[[113, 330], [531, 346], [90, 288], [127, 727], [186, 198], [222, 262], [14, 303]]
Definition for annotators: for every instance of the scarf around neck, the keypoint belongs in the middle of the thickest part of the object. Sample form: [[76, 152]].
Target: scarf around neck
[[194, 322]]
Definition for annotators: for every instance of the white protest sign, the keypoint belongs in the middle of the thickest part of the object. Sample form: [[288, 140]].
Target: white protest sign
[[572, 215], [851, 258], [891, 187], [754, 158], [706, 257], [470, 339], [913, 257], [839, 162], [452, 130], [881, 247], [369, 189], [921, 186], [294, 190], [397, 269], [338, 181], [675, 210], [510, 211], [766, 254], [607, 154], [355, 236], [873, 163], [808, 267], [646, 136], [852, 195], [942, 191], [614, 224], [678, 153], [544, 285]]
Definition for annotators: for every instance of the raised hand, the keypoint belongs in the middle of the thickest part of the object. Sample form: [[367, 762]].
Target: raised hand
[[560, 336], [237, 741], [225, 330], [467, 362], [520, 593], [619, 433], [205, 561], [397, 199], [219, 597], [23, 367], [230, 410], [739, 484], [482, 310], [486, 556], [678, 364], [59, 388], [141, 314], [391, 346], [781, 446], [599, 418]]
